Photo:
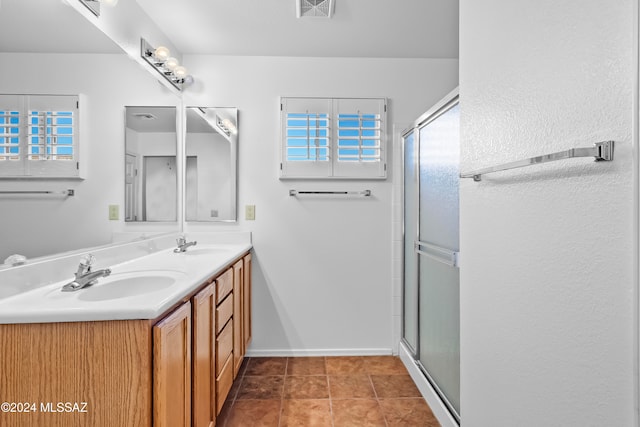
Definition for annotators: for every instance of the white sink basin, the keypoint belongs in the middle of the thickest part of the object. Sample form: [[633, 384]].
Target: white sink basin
[[125, 285]]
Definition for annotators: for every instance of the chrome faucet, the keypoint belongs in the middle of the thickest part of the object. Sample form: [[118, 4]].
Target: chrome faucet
[[85, 276], [183, 244]]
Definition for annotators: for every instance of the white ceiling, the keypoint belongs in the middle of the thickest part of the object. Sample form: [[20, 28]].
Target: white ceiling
[[359, 28], [49, 26]]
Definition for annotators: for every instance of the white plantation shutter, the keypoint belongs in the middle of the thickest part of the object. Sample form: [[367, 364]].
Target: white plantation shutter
[[306, 136], [333, 138], [359, 135], [11, 135], [39, 136]]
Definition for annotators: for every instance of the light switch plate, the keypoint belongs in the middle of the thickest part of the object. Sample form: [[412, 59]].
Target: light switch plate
[[114, 212], [250, 212]]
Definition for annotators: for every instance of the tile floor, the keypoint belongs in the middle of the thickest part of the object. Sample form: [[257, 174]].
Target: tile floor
[[325, 391]]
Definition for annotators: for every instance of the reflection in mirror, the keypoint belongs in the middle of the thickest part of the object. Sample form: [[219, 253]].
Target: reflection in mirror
[[79, 59], [151, 178], [211, 144]]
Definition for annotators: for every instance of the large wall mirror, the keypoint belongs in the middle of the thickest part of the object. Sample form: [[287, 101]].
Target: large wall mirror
[[80, 62], [211, 148], [151, 169]]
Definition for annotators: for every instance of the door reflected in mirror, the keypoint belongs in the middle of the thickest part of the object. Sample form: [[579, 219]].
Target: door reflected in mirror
[[211, 145], [151, 178]]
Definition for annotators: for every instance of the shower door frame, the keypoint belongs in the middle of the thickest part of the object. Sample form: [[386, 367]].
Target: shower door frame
[[441, 107]]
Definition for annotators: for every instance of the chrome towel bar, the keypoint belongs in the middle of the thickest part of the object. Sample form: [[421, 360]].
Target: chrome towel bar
[[601, 151], [69, 192], [364, 193]]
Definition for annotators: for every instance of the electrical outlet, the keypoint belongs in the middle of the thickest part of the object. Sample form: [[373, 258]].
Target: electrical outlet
[[214, 213], [114, 212], [250, 212]]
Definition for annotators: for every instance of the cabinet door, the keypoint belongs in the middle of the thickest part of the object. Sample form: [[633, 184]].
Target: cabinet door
[[246, 301], [238, 342], [204, 341], [172, 369]]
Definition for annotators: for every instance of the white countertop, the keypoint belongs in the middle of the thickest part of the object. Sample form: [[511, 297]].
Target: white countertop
[[178, 274]]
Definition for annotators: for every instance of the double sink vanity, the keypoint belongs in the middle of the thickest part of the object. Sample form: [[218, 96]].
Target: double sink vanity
[[156, 341]]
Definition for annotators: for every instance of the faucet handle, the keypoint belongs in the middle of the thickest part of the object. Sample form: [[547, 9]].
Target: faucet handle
[[87, 260], [181, 240]]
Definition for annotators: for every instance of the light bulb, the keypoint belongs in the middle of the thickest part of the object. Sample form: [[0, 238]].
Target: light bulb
[[188, 80], [230, 125], [161, 53], [110, 3], [180, 72], [171, 63]]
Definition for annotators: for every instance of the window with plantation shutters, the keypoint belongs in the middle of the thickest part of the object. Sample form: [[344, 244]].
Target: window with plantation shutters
[[333, 138], [39, 136]]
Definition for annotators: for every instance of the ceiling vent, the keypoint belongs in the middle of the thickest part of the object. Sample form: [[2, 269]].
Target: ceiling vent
[[318, 8]]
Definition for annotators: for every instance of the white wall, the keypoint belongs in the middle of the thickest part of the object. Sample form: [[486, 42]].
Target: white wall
[[39, 225], [214, 176], [547, 287], [322, 272]]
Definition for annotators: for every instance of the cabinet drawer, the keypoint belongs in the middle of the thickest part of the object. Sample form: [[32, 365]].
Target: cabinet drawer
[[223, 383], [224, 285], [224, 347], [223, 313]]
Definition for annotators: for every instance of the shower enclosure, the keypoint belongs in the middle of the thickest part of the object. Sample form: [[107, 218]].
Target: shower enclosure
[[431, 307]]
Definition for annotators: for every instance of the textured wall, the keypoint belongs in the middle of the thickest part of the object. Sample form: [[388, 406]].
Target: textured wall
[[547, 282]]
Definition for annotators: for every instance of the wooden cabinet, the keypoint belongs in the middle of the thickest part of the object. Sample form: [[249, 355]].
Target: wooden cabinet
[[175, 372], [172, 369], [104, 367], [203, 398], [238, 308], [224, 364], [224, 285]]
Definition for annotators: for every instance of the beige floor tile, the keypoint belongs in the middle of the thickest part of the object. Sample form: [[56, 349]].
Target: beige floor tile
[[260, 387], [306, 366], [266, 366], [254, 413], [357, 412], [307, 413], [306, 387], [350, 386], [384, 365], [345, 365], [408, 413], [393, 386]]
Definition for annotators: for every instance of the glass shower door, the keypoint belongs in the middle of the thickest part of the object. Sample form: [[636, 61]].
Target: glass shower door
[[410, 287], [438, 246]]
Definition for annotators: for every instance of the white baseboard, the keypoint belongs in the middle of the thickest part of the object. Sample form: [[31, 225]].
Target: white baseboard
[[433, 400], [320, 352]]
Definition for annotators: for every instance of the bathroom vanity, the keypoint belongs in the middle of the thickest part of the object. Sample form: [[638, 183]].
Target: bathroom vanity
[[129, 356]]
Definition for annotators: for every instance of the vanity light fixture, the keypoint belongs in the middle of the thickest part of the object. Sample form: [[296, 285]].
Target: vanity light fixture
[[161, 60]]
